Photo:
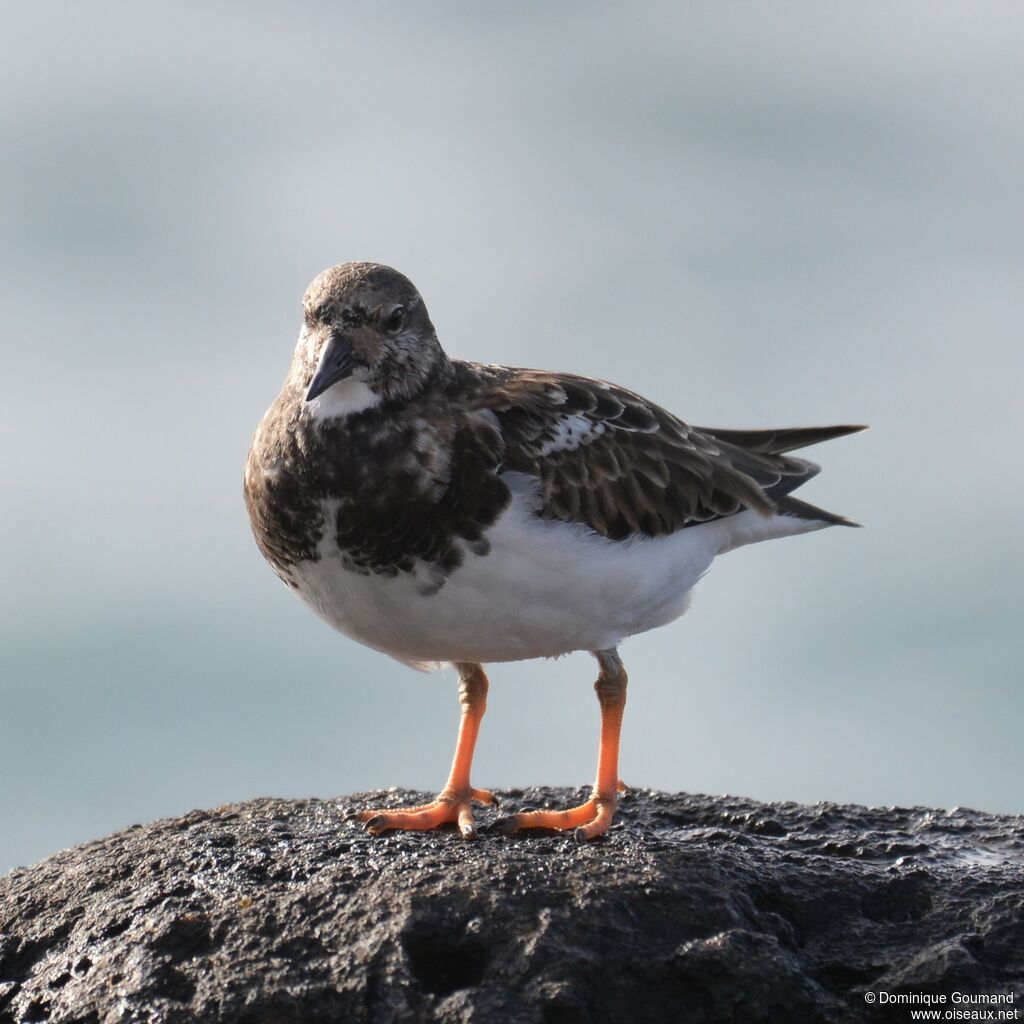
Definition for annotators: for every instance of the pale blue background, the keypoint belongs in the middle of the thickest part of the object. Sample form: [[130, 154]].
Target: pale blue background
[[757, 214]]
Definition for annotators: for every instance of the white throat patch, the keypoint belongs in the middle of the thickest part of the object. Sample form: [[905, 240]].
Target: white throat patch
[[343, 399]]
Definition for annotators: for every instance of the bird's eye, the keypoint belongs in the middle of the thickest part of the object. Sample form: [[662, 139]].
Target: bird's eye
[[394, 319]]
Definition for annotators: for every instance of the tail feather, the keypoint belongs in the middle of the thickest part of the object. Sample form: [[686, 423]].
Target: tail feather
[[790, 506], [776, 442]]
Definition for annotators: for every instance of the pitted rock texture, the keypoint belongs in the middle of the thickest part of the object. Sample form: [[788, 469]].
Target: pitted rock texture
[[692, 909]]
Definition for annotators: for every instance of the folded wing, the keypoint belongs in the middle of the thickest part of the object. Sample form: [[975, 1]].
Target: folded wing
[[608, 458]]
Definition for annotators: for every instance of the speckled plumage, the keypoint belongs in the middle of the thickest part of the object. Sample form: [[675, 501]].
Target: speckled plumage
[[447, 511], [402, 486], [420, 476]]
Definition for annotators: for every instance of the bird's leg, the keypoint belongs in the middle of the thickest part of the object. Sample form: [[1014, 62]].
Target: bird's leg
[[453, 802], [592, 818]]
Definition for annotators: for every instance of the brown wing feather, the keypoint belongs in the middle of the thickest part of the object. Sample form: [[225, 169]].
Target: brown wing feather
[[608, 458]]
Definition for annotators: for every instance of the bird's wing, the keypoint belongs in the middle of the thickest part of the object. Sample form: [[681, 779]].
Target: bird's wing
[[612, 460]]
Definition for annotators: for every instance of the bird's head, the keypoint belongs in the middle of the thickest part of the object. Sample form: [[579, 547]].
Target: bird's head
[[366, 324]]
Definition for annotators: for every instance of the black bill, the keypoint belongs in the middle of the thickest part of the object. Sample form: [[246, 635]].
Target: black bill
[[336, 363]]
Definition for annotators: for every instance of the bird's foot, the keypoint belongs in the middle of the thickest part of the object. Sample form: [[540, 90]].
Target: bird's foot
[[587, 820], [450, 806]]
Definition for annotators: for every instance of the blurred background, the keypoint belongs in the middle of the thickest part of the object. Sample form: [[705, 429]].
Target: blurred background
[[757, 215]]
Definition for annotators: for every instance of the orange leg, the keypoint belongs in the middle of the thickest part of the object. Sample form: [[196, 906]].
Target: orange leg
[[593, 817], [453, 802]]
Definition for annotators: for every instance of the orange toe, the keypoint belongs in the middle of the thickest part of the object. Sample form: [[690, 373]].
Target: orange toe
[[449, 807], [600, 823], [589, 819]]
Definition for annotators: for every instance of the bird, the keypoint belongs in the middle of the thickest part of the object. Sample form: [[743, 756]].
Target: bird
[[453, 513]]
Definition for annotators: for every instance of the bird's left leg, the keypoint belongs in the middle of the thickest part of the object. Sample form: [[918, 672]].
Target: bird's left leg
[[593, 817], [453, 803]]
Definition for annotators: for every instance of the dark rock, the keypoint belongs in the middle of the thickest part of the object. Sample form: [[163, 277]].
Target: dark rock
[[692, 909]]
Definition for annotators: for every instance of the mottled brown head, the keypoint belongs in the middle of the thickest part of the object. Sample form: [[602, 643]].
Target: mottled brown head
[[367, 323]]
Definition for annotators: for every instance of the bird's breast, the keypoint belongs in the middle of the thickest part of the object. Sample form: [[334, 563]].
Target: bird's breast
[[388, 493]]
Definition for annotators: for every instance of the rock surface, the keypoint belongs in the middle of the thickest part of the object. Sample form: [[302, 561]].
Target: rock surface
[[692, 909]]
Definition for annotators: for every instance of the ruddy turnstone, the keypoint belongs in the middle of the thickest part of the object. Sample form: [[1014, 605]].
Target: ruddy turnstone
[[443, 511]]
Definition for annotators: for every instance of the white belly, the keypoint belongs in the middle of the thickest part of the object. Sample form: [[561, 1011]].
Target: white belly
[[545, 589]]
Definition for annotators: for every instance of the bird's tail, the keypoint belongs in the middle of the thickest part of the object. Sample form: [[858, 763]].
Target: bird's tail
[[769, 443]]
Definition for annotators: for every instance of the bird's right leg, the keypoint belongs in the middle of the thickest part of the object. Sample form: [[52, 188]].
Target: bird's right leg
[[453, 803]]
